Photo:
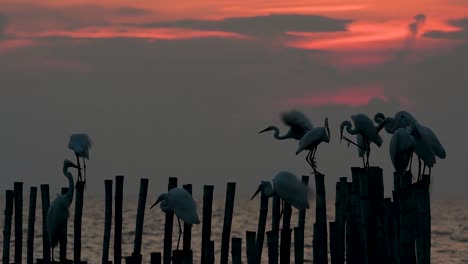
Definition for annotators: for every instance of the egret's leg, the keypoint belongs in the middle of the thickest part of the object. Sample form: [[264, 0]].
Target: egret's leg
[[282, 207], [411, 161], [84, 169], [424, 171], [313, 158], [79, 167], [367, 152], [52, 252], [308, 157], [180, 233], [419, 167]]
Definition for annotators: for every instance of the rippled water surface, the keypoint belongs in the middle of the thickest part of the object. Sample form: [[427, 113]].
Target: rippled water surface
[[449, 229]]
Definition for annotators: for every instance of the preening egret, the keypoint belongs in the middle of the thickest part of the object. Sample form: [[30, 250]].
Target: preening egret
[[80, 144], [311, 140], [363, 125], [180, 202], [400, 120], [402, 145], [289, 188], [57, 214], [298, 124]]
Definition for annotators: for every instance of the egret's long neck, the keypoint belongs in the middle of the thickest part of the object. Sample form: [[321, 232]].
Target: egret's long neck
[[349, 128], [71, 188], [277, 134], [268, 190], [164, 206]]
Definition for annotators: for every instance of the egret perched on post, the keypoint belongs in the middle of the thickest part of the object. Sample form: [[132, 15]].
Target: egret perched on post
[[363, 125], [289, 188], [180, 202], [80, 144], [401, 149], [311, 140], [57, 214], [298, 124]]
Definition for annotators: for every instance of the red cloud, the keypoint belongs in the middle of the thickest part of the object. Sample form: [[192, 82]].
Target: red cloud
[[354, 96]]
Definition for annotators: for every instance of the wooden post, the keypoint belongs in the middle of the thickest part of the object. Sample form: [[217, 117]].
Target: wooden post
[[187, 235], [285, 243], [395, 226], [301, 227], [9, 199], [275, 223], [407, 254], [272, 237], [18, 190], [423, 243], [63, 242], [340, 219], [376, 200], [365, 212], [236, 250], [388, 232], [210, 252], [178, 257], [77, 223], [250, 248], [140, 218], [320, 237], [206, 228], [31, 220], [298, 245], [333, 242], [155, 258], [168, 226], [302, 213], [45, 236], [228, 212], [261, 227], [118, 219], [107, 221]]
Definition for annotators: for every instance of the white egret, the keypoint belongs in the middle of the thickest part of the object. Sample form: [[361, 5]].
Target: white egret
[[363, 125], [311, 140], [57, 214], [402, 145], [298, 124], [180, 202], [289, 188], [80, 144]]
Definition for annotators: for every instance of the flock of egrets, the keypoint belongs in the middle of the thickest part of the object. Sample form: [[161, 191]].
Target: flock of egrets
[[408, 137]]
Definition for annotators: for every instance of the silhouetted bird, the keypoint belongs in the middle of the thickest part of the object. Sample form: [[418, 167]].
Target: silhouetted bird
[[80, 144], [311, 140], [298, 124]]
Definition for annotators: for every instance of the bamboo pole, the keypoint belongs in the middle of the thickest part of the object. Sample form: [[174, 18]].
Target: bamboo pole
[[206, 228], [250, 248], [31, 220], [272, 237], [261, 227], [365, 212], [64, 240], [18, 190], [275, 223], [376, 200], [118, 219], [155, 258], [334, 243], [387, 231], [424, 221], [45, 237], [210, 252], [139, 220], [285, 242], [177, 257], [298, 245], [302, 213], [9, 199], [168, 226], [320, 237], [187, 235], [107, 221], [340, 218], [354, 249], [236, 250], [228, 212], [77, 223]]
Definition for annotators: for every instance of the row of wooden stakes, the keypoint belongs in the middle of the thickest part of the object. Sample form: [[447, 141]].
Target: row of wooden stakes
[[368, 228]]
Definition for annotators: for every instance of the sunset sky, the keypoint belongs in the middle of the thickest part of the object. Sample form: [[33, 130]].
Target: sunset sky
[[181, 88]]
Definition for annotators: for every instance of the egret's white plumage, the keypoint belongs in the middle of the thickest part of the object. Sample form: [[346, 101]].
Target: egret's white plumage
[[180, 202], [363, 126], [80, 144], [289, 188], [311, 140], [57, 214], [402, 145], [297, 122]]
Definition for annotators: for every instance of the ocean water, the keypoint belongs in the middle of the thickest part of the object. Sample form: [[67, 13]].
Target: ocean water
[[449, 230]]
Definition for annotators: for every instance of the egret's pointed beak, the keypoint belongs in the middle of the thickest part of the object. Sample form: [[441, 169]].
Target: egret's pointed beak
[[157, 201], [264, 130], [258, 191]]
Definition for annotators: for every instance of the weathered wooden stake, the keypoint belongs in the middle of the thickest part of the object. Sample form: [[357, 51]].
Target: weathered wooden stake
[[376, 200], [334, 243], [301, 225], [272, 237], [168, 226], [177, 257], [340, 219], [210, 252], [275, 223], [236, 250], [45, 200], [31, 220], [63, 242], [9, 198], [354, 248], [298, 245], [364, 179], [388, 256], [261, 227], [77, 223], [107, 221], [285, 243], [187, 235], [139, 220], [250, 248], [228, 212], [423, 243], [206, 228], [118, 219], [18, 190], [320, 237], [155, 258]]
